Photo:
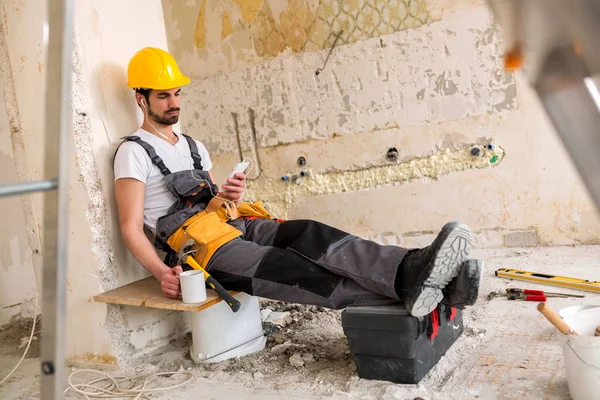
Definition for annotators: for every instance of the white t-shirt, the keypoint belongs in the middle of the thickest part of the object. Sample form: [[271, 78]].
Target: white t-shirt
[[132, 161]]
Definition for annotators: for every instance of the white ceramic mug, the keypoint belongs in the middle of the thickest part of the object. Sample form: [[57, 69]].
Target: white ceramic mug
[[193, 288]]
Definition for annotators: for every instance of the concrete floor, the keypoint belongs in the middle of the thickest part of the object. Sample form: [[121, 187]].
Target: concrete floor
[[508, 350]]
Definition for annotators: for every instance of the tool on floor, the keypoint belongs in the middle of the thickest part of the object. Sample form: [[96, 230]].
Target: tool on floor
[[541, 293], [525, 297], [184, 255], [554, 280], [555, 319], [491, 295], [517, 296]]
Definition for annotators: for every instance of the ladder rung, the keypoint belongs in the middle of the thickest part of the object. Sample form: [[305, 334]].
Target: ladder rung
[[15, 189]]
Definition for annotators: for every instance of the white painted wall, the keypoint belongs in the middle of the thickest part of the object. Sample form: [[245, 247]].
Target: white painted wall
[[105, 111], [106, 35], [20, 54], [17, 280]]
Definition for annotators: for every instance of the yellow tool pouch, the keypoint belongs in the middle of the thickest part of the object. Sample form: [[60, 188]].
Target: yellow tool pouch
[[209, 229], [255, 209], [209, 233]]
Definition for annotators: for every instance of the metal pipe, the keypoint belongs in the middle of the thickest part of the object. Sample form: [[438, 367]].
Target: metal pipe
[[560, 61], [571, 99], [58, 123], [593, 90], [16, 189]]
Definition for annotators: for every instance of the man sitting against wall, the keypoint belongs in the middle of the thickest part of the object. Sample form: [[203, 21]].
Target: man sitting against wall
[[163, 182]]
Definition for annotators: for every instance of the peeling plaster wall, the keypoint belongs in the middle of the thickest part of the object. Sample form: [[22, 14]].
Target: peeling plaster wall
[[16, 261], [233, 33], [103, 111], [25, 52], [431, 90], [21, 57]]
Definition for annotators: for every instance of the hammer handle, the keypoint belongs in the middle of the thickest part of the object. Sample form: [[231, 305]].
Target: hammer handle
[[216, 286], [555, 319], [229, 299]]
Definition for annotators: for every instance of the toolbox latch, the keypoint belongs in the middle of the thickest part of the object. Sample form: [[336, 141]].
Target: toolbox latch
[[452, 313], [435, 324]]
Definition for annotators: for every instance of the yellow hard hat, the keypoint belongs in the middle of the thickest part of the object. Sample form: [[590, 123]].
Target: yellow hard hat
[[153, 68]]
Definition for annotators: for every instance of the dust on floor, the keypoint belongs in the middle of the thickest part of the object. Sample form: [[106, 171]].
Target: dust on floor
[[313, 341], [15, 336], [310, 356], [508, 350]]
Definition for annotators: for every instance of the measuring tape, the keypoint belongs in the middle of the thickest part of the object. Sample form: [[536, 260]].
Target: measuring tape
[[554, 280]]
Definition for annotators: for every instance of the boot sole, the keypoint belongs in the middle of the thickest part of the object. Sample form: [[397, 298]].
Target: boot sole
[[452, 251]]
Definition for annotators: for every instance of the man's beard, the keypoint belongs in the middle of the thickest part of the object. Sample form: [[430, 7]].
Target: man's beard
[[166, 120]]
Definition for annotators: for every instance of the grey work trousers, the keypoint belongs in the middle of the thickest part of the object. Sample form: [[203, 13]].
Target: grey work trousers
[[307, 262]]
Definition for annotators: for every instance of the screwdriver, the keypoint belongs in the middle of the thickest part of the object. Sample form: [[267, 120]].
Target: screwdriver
[[540, 293]]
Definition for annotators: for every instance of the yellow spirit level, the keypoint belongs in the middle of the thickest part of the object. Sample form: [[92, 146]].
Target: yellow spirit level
[[554, 280]]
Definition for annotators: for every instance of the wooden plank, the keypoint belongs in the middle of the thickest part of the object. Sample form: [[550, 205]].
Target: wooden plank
[[133, 294], [176, 304], [147, 293]]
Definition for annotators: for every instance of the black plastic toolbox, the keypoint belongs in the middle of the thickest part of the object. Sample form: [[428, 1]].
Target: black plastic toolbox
[[389, 344]]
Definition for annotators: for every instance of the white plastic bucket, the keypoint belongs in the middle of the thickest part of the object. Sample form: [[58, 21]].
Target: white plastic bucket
[[582, 355], [219, 333], [572, 310]]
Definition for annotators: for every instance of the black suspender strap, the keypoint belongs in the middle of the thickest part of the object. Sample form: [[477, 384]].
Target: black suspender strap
[[156, 160], [194, 151]]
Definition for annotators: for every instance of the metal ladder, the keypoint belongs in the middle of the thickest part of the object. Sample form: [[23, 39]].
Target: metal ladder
[[58, 122]]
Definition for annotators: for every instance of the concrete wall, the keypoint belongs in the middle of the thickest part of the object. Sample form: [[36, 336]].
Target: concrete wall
[[422, 76], [21, 58], [103, 111], [16, 256]]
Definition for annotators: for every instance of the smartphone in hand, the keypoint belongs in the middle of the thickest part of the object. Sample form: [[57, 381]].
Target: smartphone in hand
[[238, 169]]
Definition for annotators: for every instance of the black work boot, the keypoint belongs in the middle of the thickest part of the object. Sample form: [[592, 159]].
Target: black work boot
[[463, 290], [425, 272]]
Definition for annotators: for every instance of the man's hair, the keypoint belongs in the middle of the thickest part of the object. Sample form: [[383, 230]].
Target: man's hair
[[145, 93]]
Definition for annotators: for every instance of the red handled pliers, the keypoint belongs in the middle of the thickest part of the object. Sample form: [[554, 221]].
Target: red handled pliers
[[526, 297], [531, 292], [534, 295], [517, 296]]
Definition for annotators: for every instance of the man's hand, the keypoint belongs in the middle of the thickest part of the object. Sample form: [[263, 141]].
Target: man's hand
[[170, 282], [234, 188]]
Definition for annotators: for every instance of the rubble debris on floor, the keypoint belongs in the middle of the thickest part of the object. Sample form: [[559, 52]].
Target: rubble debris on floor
[[508, 349]]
